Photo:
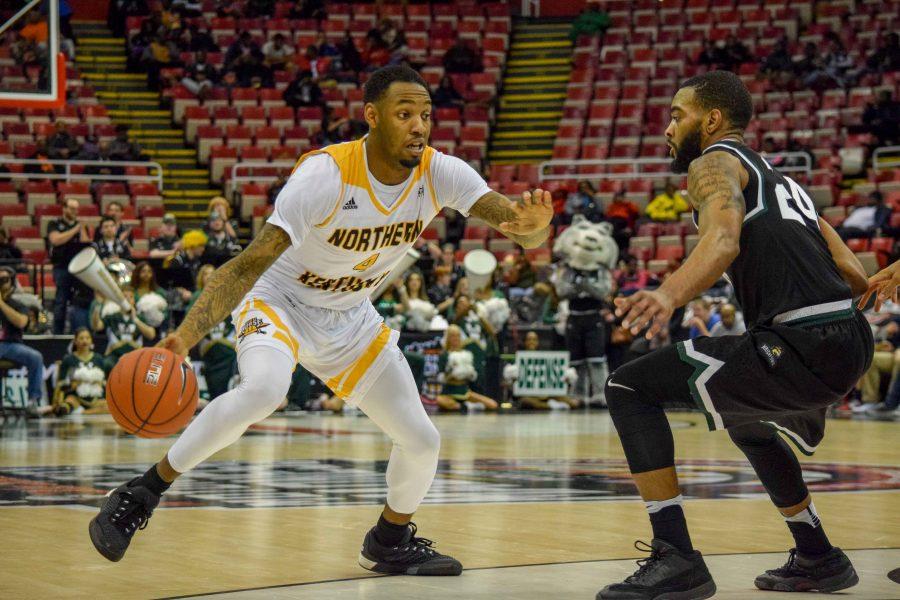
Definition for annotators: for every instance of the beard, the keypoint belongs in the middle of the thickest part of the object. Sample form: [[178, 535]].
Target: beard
[[687, 152], [410, 163]]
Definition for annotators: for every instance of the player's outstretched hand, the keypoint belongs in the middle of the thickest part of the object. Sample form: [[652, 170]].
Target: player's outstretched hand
[[533, 213], [174, 343], [883, 285], [648, 307]]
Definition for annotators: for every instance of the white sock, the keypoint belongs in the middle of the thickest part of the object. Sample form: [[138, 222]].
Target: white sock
[[654, 506], [808, 515]]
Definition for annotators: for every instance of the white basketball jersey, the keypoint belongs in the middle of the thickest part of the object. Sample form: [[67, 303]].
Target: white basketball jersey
[[345, 238]]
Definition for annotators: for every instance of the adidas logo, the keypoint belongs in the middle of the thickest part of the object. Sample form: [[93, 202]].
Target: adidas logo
[[349, 205]]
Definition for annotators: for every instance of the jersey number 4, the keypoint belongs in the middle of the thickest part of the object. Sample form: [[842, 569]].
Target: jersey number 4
[[367, 263], [802, 205]]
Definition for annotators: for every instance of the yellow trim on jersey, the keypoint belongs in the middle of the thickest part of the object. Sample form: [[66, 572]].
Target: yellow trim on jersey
[[434, 201], [282, 333], [354, 372], [243, 315]]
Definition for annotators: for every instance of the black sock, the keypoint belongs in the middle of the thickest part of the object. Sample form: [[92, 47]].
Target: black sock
[[670, 525], [153, 482], [808, 533], [389, 534]]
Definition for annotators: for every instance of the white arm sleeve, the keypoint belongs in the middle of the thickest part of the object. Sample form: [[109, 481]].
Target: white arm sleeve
[[307, 198], [456, 184]]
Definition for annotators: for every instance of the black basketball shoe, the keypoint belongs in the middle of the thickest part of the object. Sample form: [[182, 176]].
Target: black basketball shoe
[[125, 510], [412, 556], [667, 574], [827, 573]]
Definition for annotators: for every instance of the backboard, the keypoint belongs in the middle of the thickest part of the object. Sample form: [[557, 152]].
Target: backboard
[[32, 68]]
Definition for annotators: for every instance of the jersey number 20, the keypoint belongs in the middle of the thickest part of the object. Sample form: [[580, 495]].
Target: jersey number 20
[[801, 200]]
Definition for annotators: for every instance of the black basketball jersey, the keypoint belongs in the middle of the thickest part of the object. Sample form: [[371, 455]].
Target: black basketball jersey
[[784, 272]]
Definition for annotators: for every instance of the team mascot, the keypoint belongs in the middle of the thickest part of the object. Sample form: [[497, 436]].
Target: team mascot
[[583, 278]]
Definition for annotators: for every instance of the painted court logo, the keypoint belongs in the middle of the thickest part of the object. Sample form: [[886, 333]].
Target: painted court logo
[[253, 325], [341, 482]]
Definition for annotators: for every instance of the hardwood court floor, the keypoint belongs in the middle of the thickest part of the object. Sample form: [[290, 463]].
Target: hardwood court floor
[[536, 505]]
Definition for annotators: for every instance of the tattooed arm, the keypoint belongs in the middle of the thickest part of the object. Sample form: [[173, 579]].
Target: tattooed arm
[[226, 286], [526, 222], [715, 184]]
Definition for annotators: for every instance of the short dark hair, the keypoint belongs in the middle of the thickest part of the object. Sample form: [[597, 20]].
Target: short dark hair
[[106, 218], [382, 79], [723, 90], [117, 203]]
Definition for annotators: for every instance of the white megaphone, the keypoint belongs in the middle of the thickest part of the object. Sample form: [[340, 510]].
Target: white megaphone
[[479, 266], [88, 267], [409, 259]]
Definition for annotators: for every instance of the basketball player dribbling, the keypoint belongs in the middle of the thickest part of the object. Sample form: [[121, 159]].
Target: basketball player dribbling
[[299, 293], [806, 346]]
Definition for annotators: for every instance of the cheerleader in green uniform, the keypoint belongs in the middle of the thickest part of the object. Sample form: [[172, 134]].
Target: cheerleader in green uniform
[[82, 378], [217, 348], [456, 383], [125, 331]]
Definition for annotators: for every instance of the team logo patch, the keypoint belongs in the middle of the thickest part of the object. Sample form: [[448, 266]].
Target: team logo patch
[[349, 205], [341, 482], [253, 325], [771, 353]]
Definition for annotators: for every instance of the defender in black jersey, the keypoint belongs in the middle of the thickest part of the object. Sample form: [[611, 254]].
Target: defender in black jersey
[[805, 347]]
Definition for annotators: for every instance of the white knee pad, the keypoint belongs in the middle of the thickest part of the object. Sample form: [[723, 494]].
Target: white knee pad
[[266, 389]]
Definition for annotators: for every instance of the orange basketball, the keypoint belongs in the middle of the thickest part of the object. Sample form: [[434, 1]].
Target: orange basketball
[[152, 393]]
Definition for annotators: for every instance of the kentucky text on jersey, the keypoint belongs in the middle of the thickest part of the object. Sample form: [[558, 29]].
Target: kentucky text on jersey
[[364, 239]]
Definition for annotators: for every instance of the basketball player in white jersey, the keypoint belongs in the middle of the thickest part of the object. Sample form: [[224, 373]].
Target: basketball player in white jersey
[[299, 293]]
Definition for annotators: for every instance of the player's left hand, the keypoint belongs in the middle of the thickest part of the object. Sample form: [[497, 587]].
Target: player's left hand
[[533, 213], [648, 307], [884, 284]]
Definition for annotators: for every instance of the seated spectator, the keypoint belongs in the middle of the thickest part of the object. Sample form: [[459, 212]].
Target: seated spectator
[[159, 55], [351, 58], [446, 96], [828, 70], [201, 76], [10, 255], [886, 56], [62, 145], [713, 55], [116, 211], [35, 30], [13, 321], [90, 150], [375, 53], [275, 189], [736, 53], [277, 53], [303, 91], [184, 264], [200, 39], [220, 205], [448, 259], [591, 21], [308, 9], [441, 292], [622, 214], [882, 119], [324, 47], [125, 331], [583, 202], [121, 148], [169, 240], [866, 219], [667, 206], [732, 322], [779, 59], [519, 275], [809, 63], [139, 44], [630, 278], [220, 246], [110, 247], [701, 319], [462, 58], [81, 386], [531, 344], [247, 61], [457, 376], [335, 131]]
